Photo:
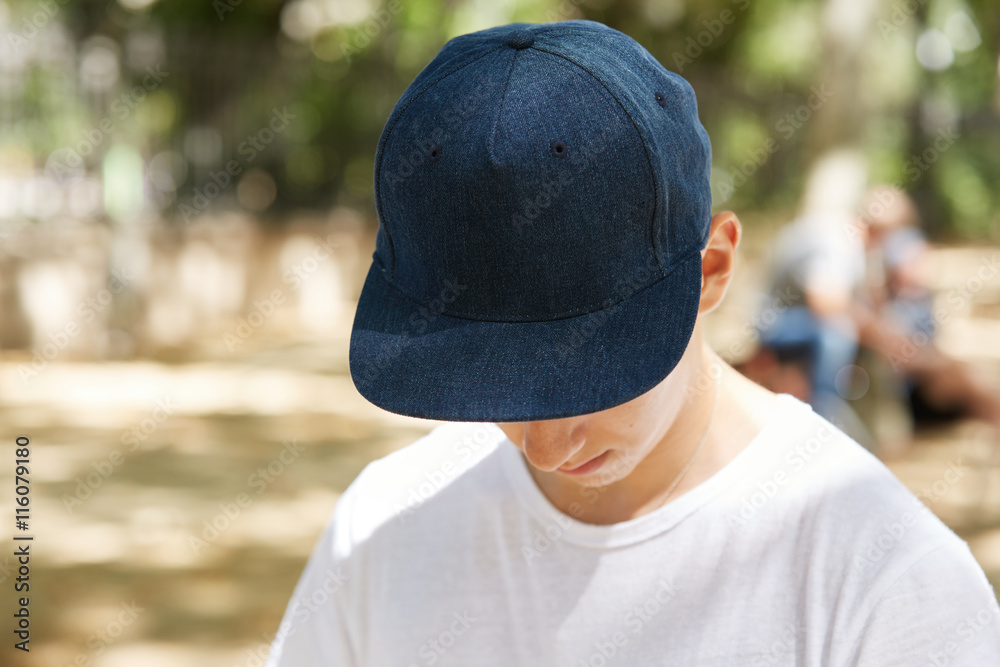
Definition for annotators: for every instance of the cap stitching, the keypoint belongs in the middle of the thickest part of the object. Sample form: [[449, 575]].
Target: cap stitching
[[558, 316], [499, 109], [380, 153]]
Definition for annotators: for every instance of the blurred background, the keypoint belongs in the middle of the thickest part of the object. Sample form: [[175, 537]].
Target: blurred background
[[186, 216]]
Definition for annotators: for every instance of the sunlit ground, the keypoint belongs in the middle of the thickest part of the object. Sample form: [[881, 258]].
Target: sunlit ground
[[132, 460], [116, 522]]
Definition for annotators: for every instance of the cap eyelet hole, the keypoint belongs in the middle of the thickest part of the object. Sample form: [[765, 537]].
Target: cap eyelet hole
[[660, 99], [558, 149], [434, 153]]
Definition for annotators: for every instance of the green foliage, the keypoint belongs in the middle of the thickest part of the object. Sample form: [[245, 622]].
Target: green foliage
[[752, 63]]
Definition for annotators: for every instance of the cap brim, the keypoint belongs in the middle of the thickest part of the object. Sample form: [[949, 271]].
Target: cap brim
[[408, 360]]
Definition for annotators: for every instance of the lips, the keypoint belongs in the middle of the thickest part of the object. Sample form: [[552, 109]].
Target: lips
[[586, 467]]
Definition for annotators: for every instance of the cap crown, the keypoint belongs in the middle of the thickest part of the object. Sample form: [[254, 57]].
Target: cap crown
[[535, 172]]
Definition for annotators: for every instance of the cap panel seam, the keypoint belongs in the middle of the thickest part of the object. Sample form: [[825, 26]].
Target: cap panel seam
[[385, 140], [499, 109], [645, 146]]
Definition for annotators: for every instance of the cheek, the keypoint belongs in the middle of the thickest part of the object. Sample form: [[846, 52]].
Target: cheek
[[514, 433], [631, 434]]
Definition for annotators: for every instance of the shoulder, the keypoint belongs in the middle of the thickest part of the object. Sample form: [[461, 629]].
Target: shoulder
[[839, 497], [851, 532], [393, 489], [882, 526]]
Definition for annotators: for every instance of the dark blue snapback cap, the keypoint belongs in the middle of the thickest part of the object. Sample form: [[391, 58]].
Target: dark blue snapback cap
[[543, 196]]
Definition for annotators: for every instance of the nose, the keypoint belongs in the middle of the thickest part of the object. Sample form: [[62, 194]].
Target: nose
[[550, 444]]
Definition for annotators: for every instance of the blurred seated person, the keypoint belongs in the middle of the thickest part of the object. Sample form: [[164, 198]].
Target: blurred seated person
[[899, 320], [808, 334]]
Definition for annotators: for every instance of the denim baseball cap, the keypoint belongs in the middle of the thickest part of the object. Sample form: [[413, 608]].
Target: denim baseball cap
[[543, 196]]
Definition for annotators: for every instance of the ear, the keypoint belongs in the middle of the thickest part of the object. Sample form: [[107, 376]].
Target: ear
[[718, 259]]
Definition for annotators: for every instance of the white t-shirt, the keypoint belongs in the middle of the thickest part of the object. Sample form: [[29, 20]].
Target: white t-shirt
[[803, 550]]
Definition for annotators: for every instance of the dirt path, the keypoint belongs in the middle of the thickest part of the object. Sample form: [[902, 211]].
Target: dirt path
[[174, 505]]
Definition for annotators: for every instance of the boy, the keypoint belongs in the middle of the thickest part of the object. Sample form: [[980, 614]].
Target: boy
[[612, 492]]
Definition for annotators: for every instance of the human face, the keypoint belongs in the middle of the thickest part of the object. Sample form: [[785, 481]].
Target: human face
[[605, 447]]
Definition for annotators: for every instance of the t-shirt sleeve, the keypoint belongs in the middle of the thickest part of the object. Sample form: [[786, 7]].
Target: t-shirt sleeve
[[940, 611], [316, 628]]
